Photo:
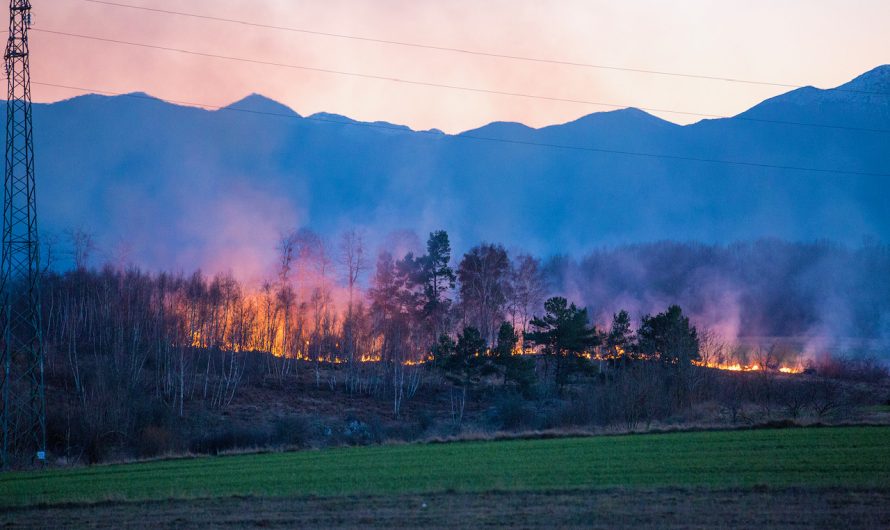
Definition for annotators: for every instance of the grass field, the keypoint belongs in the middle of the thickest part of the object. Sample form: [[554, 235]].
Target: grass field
[[848, 457]]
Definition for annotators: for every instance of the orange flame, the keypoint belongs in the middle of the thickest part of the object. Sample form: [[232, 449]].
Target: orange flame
[[738, 367]]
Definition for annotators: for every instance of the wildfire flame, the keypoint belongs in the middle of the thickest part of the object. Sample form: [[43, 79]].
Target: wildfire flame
[[198, 340], [738, 367]]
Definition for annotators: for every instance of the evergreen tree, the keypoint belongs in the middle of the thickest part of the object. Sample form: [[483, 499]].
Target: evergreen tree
[[437, 280], [517, 369], [669, 338], [619, 342], [564, 336], [461, 363]]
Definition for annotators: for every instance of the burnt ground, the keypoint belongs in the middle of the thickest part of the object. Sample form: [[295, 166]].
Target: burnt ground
[[607, 508]]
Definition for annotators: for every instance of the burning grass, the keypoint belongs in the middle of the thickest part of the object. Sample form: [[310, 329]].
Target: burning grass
[[738, 367], [819, 457]]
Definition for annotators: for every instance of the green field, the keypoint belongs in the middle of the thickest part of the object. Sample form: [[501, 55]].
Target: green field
[[849, 457]]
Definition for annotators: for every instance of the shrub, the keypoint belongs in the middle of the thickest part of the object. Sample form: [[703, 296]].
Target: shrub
[[230, 438], [511, 412], [291, 431], [153, 441], [405, 432], [867, 369], [576, 412], [357, 432], [425, 421]]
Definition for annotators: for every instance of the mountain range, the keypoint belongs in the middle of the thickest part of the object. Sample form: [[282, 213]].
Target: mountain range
[[176, 187]]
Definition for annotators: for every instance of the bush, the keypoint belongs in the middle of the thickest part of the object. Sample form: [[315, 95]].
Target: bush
[[512, 413], [358, 432], [230, 438], [405, 432], [153, 441], [865, 369], [81, 435], [579, 411], [425, 421], [291, 431]]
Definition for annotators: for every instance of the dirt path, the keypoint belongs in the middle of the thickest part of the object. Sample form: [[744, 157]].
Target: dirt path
[[687, 508]]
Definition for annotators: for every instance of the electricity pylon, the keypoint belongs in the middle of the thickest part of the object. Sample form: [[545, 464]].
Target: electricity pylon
[[24, 408]]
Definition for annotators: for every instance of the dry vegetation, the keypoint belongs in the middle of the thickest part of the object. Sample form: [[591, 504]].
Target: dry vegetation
[[311, 408]]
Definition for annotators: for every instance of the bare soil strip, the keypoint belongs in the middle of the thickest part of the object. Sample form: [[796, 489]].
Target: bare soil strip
[[606, 508]]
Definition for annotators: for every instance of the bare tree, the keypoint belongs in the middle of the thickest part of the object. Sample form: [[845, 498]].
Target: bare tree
[[483, 284], [796, 396], [713, 350], [527, 290], [827, 397], [83, 246], [49, 241], [287, 253], [286, 299], [352, 257], [121, 255], [731, 394]]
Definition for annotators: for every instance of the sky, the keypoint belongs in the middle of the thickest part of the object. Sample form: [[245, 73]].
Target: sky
[[801, 42]]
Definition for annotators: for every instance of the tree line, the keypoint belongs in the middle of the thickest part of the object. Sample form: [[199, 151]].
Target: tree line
[[126, 348]]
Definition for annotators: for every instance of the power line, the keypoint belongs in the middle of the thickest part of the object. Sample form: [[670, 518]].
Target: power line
[[466, 51], [476, 136], [447, 86]]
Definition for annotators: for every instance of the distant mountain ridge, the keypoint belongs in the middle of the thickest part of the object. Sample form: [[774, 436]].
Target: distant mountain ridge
[[168, 186], [261, 104]]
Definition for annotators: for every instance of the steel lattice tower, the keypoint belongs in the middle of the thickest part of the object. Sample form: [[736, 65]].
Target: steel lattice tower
[[24, 409]]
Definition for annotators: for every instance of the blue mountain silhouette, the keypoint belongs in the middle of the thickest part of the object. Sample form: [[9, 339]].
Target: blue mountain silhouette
[[183, 187]]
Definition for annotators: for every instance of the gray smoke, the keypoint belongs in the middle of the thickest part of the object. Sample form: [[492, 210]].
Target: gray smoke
[[819, 297]]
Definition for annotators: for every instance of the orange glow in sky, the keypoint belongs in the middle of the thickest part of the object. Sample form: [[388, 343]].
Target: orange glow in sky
[[819, 42]]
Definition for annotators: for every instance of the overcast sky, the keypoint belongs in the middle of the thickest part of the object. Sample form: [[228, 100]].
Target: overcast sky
[[818, 42]]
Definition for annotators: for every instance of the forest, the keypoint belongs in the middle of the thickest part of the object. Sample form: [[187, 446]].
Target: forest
[[339, 347]]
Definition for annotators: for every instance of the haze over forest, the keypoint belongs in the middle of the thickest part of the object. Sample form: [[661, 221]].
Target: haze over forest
[[191, 188]]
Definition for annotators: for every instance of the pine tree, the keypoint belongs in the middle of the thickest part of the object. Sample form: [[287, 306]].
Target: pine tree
[[564, 336]]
